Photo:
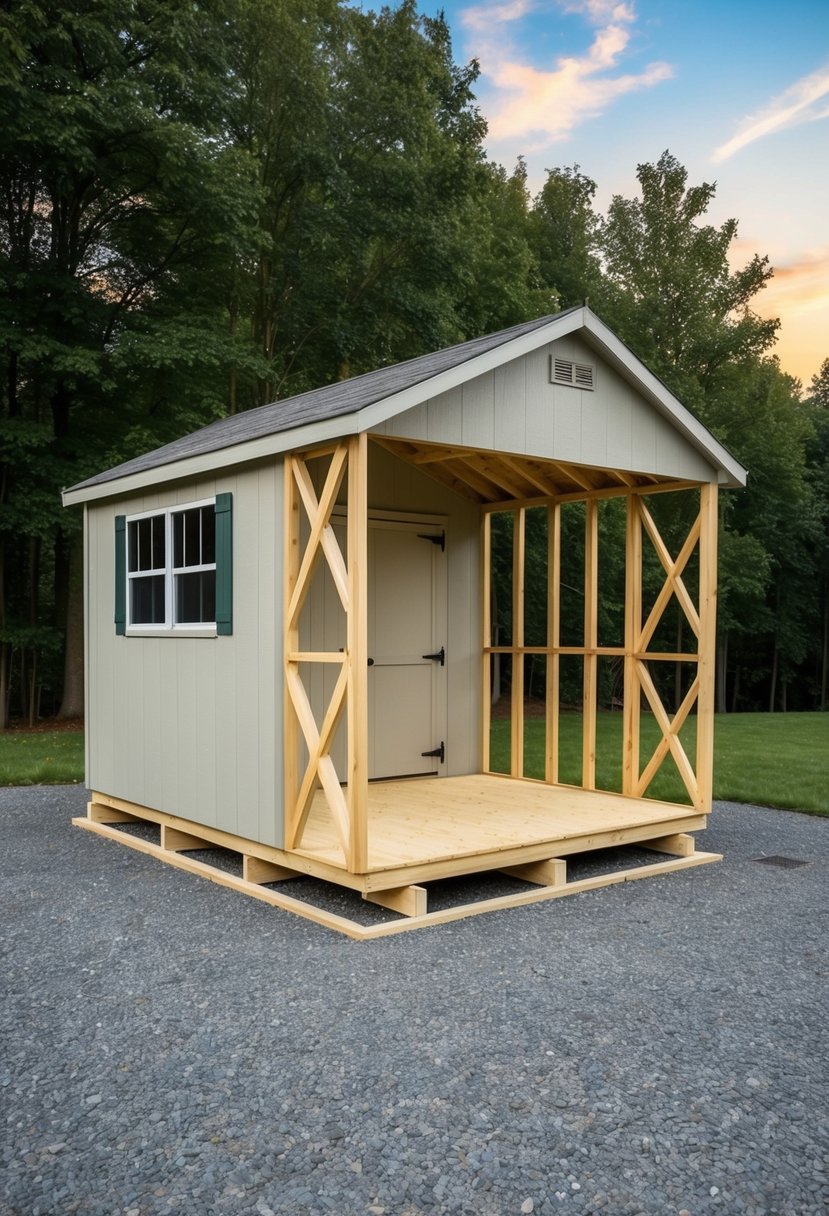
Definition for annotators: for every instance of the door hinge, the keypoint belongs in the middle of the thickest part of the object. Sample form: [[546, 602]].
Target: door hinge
[[440, 752], [438, 657], [436, 538]]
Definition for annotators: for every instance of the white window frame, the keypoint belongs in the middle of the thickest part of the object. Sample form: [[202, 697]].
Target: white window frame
[[170, 627]]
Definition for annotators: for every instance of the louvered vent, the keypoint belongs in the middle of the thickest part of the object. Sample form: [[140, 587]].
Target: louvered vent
[[564, 371]]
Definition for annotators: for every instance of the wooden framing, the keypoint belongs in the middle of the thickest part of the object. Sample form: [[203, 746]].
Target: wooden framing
[[638, 681], [546, 878], [347, 806]]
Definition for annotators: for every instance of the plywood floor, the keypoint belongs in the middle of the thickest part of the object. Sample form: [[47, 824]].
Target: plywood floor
[[432, 820]]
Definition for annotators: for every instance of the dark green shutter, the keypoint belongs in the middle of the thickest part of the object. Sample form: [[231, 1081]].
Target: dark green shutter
[[224, 563], [120, 574]]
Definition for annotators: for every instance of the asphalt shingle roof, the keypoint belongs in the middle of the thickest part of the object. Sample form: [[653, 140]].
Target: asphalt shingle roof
[[332, 401]]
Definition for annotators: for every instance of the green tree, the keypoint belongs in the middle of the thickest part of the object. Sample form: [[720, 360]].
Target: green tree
[[566, 233]]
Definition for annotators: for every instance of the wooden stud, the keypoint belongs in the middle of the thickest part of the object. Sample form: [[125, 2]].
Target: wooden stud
[[633, 629], [486, 634], [670, 733], [290, 645], [552, 697], [681, 844], [254, 869], [549, 873], [108, 814], [356, 667], [517, 687], [591, 638], [409, 901], [175, 840], [707, 644]]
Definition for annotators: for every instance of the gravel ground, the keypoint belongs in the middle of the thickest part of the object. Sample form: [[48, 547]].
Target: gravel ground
[[169, 1046]]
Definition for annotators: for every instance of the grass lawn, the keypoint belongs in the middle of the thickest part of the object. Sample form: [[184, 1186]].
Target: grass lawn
[[41, 757], [770, 759]]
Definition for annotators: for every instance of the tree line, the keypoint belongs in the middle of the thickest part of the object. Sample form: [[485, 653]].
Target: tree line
[[207, 206]]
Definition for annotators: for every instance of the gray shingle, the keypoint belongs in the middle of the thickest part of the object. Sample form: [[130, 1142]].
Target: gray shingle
[[332, 401]]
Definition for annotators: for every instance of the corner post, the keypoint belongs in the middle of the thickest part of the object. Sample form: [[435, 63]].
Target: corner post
[[517, 683], [290, 645], [357, 654], [486, 637], [633, 631], [591, 641], [707, 644]]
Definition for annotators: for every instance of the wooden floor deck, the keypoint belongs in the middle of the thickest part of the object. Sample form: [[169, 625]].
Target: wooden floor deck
[[430, 827]]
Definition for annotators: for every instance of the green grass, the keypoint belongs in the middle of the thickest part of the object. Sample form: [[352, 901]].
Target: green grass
[[31, 757], [769, 759]]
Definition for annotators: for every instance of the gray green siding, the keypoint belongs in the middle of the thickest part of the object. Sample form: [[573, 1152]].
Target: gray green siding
[[193, 726], [515, 408]]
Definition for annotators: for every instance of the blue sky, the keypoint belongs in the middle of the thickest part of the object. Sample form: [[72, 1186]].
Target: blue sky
[[738, 91]]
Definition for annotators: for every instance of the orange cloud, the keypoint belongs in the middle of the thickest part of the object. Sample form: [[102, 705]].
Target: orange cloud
[[550, 104], [798, 104]]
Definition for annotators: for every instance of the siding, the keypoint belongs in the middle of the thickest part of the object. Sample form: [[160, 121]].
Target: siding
[[515, 408], [193, 726]]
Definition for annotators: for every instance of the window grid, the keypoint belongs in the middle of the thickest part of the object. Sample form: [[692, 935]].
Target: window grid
[[169, 572]]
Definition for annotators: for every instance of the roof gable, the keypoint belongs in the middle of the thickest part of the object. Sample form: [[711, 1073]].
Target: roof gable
[[366, 402]]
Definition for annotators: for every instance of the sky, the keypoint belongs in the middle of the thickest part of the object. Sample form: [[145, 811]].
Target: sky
[[738, 90]]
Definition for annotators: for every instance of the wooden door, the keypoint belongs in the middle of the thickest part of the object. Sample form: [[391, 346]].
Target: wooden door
[[407, 620]]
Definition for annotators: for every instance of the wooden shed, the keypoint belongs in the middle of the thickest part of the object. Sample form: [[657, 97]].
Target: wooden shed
[[290, 648]]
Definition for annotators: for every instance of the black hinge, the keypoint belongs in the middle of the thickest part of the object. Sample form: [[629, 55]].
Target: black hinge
[[437, 751], [438, 657], [435, 538]]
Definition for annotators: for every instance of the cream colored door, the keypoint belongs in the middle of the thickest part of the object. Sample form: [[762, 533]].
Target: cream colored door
[[407, 621]]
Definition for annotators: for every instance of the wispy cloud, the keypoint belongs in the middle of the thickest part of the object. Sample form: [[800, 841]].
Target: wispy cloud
[[547, 104], [798, 104]]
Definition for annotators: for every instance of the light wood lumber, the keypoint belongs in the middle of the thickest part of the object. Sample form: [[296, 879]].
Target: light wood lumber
[[356, 667], [254, 869], [409, 901], [486, 634], [707, 644], [682, 844], [517, 684], [359, 932], [552, 698], [549, 873], [175, 840], [108, 814], [290, 645], [591, 641]]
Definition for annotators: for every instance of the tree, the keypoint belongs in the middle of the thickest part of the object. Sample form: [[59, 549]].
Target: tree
[[566, 231], [122, 200]]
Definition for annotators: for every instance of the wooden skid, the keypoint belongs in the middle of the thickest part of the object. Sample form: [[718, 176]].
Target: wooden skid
[[411, 900]]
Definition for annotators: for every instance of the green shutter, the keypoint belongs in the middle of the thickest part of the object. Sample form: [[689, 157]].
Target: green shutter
[[224, 563], [120, 574]]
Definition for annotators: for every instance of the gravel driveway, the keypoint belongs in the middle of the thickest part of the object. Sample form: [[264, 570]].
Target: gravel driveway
[[169, 1046]]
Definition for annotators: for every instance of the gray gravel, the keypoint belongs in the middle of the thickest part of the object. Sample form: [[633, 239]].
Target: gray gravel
[[169, 1046]]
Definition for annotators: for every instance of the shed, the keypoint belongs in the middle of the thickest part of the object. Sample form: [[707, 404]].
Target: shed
[[290, 639]]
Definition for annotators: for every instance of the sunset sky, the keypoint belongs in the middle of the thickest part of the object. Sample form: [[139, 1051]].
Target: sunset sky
[[737, 90]]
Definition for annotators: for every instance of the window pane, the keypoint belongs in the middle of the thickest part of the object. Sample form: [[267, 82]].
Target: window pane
[[158, 558], [147, 599], [196, 598], [178, 539], [192, 546], [132, 540], [145, 555], [208, 535]]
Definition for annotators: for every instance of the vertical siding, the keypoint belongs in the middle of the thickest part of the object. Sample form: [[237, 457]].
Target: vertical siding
[[515, 408], [192, 726]]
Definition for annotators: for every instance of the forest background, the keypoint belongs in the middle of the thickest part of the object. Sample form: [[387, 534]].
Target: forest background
[[209, 206]]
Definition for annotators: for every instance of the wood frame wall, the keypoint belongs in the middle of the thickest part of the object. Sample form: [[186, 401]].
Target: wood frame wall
[[697, 777], [348, 461]]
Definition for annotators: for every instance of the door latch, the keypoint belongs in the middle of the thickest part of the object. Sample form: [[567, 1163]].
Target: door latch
[[440, 752], [439, 657]]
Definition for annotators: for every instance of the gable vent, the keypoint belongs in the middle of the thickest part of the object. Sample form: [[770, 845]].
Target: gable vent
[[564, 371]]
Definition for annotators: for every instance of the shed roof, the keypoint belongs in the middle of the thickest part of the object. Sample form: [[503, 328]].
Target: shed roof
[[361, 402]]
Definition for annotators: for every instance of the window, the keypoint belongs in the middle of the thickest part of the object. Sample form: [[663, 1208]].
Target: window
[[174, 568]]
